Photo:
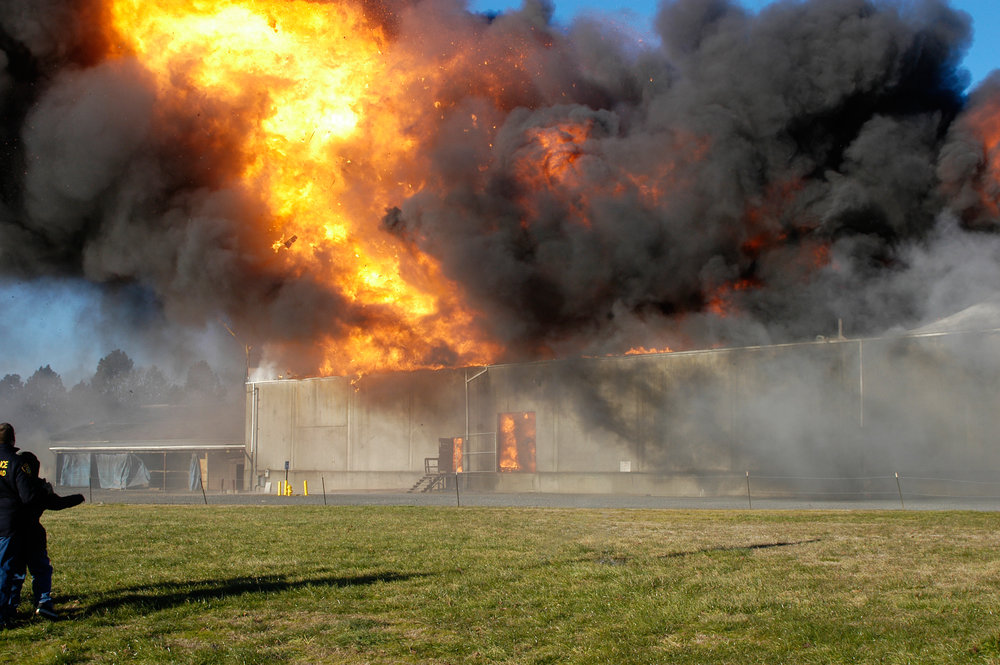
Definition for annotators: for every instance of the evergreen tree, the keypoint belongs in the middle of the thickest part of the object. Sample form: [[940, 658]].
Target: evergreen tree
[[114, 378], [11, 396], [45, 397], [203, 384], [10, 386], [152, 386]]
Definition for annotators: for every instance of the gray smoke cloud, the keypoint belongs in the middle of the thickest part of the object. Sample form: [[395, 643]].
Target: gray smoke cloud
[[752, 179]]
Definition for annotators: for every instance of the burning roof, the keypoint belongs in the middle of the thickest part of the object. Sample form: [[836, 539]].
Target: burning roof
[[361, 186]]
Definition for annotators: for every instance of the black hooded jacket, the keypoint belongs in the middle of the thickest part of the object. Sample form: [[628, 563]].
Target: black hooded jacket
[[19, 487], [47, 499]]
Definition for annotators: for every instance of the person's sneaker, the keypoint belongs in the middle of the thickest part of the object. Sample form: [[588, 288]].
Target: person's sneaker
[[47, 610]]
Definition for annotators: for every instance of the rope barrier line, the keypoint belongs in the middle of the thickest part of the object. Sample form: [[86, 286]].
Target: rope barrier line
[[850, 478], [822, 489], [823, 477], [784, 494], [953, 480], [919, 495]]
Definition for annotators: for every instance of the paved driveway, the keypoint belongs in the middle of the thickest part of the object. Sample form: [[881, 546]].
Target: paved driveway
[[540, 500]]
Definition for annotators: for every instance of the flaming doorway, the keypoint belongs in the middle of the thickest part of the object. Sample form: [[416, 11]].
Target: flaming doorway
[[516, 442], [450, 454]]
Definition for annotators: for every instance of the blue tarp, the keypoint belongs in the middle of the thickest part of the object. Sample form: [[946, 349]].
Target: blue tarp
[[194, 475], [121, 470], [75, 471]]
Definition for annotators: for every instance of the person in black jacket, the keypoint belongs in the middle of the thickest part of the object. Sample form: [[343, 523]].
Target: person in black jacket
[[18, 488], [34, 549]]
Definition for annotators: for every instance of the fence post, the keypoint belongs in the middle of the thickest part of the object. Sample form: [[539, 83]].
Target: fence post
[[749, 500], [900, 489]]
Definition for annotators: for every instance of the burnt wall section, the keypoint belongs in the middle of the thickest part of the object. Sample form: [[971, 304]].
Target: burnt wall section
[[921, 405]]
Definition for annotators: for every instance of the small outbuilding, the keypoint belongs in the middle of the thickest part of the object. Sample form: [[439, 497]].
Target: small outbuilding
[[167, 448]]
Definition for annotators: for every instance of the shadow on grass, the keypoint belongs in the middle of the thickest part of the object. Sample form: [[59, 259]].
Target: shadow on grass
[[736, 548], [165, 595]]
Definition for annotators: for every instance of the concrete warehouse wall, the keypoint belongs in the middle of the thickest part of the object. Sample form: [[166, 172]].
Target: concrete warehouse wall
[[913, 404]]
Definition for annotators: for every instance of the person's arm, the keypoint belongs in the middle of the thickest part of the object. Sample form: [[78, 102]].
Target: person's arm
[[56, 502]]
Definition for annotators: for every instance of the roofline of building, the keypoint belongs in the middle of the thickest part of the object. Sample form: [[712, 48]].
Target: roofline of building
[[692, 352], [146, 448]]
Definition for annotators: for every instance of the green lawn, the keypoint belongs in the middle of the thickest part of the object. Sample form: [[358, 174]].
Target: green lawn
[[316, 584]]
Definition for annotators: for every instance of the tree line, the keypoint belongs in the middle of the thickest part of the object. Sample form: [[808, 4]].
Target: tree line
[[42, 402]]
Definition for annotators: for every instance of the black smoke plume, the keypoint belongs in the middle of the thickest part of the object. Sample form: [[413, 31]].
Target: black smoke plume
[[749, 179]]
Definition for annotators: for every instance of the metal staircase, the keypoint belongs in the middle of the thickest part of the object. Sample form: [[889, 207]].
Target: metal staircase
[[433, 479], [429, 483]]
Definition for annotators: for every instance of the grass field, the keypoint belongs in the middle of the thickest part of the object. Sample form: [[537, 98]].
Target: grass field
[[314, 584]]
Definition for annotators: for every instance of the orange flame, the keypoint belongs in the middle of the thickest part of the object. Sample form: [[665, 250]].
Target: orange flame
[[507, 443], [456, 449], [308, 84], [667, 175], [720, 301], [561, 146], [549, 160], [553, 158], [986, 124], [767, 230], [641, 351], [321, 103], [516, 442]]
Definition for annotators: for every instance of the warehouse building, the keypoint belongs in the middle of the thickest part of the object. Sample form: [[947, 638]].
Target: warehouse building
[[684, 423]]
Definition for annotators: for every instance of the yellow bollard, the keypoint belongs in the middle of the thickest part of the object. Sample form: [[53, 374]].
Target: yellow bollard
[[305, 488]]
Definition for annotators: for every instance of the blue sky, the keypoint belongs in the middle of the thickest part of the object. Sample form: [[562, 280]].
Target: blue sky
[[980, 61]]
